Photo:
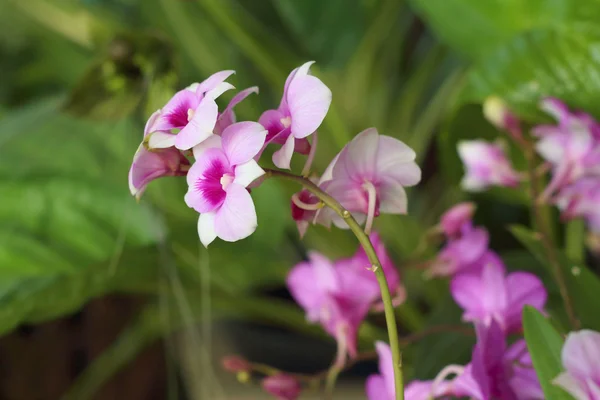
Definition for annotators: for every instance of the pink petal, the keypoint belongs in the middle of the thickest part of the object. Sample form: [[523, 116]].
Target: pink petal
[[236, 219], [349, 194], [453, 219], [386, 365], [206, 228], [308, 100], [301, 284], [205, 190], [149, 128], [242, 141], [325, 276], [219, 90], [271, 120], [247, 173], [174, 115], [227, 117], [392, 199], [523, 289], [467, 291], [200, 127], [212, 142], [572, 385], [495, 297], [358, 160], [283, 157], [556, 108], [392, 153], [150, 165], [580, 354], [376, 389], [213, 81]]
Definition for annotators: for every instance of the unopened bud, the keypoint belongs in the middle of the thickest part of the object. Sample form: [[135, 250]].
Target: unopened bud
[[235, 364], [283, 387], [498, 114]]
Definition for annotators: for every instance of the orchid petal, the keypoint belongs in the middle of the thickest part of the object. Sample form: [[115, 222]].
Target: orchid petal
[[236, 219], [358, 159], [524, 289], [219, 90], [283, 157], [572, 385], [213, 141], [174, 115], [247, 173], [205, 192], [376, 389], [213, 81], [160, 140], [580, 354], [242, 141], [308, 99], [149, 128], [386, 365], [206, 228], [392, 199], [200, 126]]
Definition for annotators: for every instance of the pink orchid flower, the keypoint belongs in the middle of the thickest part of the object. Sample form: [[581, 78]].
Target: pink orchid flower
[[381, 386], [581, 199], [580, 357], [150, 165], [227, 117], [190, 116], [494, 373], [466, 252], [572, 147], [328, 296], [486, 165], [218, 179], [303, 107], [304, 207], [453, 220], [368, 177], [283, 387], [491, 295]]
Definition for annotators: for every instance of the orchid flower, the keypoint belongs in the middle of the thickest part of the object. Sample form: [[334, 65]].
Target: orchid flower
[[581, 199], [332, 296], [190, 116], [227, 117], [304, 207], [303, 107], [486, 165], [150, 165], [283, 387], [368, 177], [218, 179], [580, 357], [492, 295], [572, 147], [453, 220]]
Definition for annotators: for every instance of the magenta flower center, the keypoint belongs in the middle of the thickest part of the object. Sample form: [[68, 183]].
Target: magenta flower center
[[213, 182], [286, 121]]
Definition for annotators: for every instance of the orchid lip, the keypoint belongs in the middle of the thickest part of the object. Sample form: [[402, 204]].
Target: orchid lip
[[286, 122], [226, 180], [190, 114]]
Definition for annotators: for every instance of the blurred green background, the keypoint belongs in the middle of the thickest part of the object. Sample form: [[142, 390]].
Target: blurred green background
[[80, 77]]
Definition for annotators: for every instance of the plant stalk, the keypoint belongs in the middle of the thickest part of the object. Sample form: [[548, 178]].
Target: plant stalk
[[364, 240]]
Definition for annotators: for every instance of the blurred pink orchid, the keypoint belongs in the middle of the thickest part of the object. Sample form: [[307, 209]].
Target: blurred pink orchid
[[491, 295], [303, 107], [486, 165], [581, 199], [339, 295], [498, 114], [150, 165], [304, 207], [453, 220], [218, 179], [190, 116], [580, 357], [283, 387], [572, 147], [368, 178]]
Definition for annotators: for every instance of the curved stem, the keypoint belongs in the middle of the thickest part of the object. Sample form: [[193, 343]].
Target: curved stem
[[311, 155], [364, 240]]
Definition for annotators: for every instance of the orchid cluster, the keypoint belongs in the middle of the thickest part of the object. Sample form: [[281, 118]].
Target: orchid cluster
[[570, 149], [190, 136], [493, 301]]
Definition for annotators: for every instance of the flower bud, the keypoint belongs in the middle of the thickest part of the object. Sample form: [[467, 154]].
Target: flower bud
[[235, 364], [498, 114], [283, 387]]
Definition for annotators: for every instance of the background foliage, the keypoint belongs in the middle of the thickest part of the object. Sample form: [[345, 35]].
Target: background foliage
[[79, 78]]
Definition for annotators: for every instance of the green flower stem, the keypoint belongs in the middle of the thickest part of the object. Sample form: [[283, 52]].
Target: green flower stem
[[364, 240]]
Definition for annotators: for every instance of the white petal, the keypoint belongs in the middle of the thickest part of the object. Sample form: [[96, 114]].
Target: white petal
[[283, 157], [247, 173], [213, 141], [393, 199], [206, 228], [571, 385], [219, 90], [160, 140]]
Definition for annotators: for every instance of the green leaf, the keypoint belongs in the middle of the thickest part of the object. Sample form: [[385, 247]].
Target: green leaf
[[68, 217], [331, 30], [544, 345], [541, 63], [489, 24], [583, 285]]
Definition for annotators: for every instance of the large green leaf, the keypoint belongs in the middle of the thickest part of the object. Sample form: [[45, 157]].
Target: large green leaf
[[65, 212], [544, 345], [583, 285], [548, 62], [489, 24]]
